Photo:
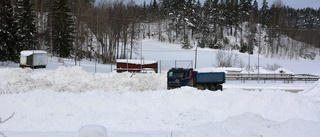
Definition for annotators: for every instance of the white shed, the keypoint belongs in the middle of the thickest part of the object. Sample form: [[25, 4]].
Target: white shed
[[33, 58]]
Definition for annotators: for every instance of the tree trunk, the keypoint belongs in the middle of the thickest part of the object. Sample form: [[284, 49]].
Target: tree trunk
[[132, 38]]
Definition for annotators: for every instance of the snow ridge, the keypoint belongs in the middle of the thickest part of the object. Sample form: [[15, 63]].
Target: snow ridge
[[75, 79]]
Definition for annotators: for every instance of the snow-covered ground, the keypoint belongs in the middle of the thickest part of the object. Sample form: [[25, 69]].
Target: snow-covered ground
[[58, 100]]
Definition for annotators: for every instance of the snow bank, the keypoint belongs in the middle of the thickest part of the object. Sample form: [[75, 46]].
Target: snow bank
[[162, 110], [75, 79], [313, 92], [93, 131], [66, 99], [254, 125]]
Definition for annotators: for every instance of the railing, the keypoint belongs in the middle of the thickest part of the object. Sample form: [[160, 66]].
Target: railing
[[286, 78]]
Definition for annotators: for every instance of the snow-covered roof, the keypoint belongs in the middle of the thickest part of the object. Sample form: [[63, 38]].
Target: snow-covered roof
[[233, 69], [134, 61], [30, 52]]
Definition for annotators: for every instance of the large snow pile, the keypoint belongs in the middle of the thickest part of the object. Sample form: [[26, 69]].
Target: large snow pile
[[313, 92], [75, 79], [66, 99]]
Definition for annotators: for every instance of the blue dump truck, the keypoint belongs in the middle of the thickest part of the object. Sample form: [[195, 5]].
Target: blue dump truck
[[178, 77]]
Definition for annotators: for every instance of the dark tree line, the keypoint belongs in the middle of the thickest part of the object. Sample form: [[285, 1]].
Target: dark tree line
[[8, 33], [113, 29], [48, 27], [17, 29]]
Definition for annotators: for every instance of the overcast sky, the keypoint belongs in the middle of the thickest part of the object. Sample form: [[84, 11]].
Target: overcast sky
[[291, 3], [296, 3]]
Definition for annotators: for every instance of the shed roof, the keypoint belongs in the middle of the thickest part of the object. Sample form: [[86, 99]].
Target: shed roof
[[134, 61], [30, 52]]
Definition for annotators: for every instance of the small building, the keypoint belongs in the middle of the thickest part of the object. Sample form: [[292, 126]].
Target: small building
[[136, 65], [33, 58]]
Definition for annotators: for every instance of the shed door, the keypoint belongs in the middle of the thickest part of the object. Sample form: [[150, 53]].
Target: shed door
[[29, 60]]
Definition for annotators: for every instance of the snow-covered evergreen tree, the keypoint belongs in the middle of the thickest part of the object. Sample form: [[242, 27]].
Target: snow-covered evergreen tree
[[264, 14], [27, 32], [9, 50], [63, 29]]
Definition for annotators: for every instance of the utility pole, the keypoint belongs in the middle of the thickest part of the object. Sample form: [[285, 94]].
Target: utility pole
[[33, 53], [195, 58], [259, 54]]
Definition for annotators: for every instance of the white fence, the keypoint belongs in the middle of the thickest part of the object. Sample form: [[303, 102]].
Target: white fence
[[285, 78], [165, 65]]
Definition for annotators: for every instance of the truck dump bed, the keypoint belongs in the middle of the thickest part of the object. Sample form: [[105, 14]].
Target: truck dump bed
[[210, 77]]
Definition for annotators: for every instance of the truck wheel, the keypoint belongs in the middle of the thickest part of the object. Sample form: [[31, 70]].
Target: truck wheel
[[209, 87], [201, 87], [219, 87], [213, 88]]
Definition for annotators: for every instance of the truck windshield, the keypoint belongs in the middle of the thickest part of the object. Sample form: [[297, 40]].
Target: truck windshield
[[176, 74]]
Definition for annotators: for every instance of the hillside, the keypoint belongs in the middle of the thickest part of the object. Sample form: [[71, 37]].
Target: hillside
[[112, 30]]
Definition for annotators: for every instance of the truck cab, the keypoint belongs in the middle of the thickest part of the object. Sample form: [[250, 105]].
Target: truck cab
[[178, 77]]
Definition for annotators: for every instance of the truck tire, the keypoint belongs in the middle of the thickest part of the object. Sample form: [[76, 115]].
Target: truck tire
[[213, 88], [201, 87], [209, 87], [219, 87]]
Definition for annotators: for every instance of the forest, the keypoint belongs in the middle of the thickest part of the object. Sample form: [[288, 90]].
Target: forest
[[114, 29]]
